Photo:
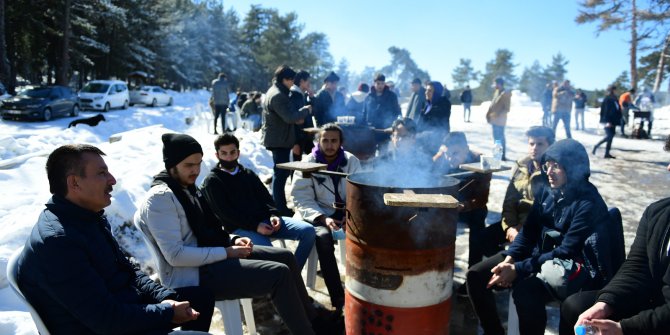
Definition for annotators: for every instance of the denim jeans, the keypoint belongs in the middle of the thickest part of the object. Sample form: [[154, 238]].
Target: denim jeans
[[579, 114], [291, 229], [499, 135], [565, 116]]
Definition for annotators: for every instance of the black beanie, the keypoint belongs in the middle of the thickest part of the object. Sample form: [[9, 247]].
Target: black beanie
[[176, 147]]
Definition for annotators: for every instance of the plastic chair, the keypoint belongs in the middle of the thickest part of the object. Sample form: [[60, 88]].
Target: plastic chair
[[12, 274], [312, 261], [230, 310]]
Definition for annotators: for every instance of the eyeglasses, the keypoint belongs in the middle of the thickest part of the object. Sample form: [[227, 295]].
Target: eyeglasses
[[551, 165]]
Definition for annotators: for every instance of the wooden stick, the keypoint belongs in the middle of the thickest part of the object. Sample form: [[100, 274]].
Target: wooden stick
[[466, 185]]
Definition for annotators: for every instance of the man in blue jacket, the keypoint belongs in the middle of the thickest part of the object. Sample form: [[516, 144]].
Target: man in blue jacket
[[560, 226], [75, 274]]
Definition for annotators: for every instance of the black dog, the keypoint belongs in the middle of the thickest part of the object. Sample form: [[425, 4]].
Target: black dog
[[91, 121]]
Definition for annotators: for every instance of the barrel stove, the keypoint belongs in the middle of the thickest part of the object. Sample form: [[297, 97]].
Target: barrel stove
[[400, 259]]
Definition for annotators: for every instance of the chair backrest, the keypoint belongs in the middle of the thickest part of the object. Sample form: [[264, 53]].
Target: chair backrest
[[12, 277], [618, 244]]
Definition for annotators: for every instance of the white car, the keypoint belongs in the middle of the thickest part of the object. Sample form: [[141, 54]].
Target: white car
[[104, 95], [150, 96]]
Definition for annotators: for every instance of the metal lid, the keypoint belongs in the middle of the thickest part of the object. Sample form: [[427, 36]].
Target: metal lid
[[416, 181]]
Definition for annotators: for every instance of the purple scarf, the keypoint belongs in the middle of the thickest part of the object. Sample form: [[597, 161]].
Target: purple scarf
[[320, 158]]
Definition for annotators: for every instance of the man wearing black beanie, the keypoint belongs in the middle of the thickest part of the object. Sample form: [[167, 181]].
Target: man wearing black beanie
[[196, 250]]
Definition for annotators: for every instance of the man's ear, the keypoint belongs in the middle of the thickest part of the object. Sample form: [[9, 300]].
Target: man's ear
[[72, 182]]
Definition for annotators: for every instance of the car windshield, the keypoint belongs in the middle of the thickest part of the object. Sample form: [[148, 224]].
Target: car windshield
[[40, 93], [95, 88], [146, 88]]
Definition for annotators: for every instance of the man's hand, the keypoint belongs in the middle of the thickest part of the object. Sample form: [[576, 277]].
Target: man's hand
[[605, 327], [244, 242], [275, 222], [182, 311], [238, 251], [265, 229], [511, 233], [599, 311], [504, 275], [333, 224]]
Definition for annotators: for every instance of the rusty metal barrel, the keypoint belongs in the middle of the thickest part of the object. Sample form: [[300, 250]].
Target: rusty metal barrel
[[400, 260]]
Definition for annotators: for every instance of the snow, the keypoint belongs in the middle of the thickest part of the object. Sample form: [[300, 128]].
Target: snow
[[631, 182]]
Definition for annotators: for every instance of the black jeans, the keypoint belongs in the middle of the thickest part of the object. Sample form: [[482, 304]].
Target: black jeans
[[267, 271], [331, 274], [482, 299], [220, 111], [565, 116], [280, 155], [476, 221], [609, 136]]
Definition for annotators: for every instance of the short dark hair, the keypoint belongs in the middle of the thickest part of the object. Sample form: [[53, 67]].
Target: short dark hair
[[667, 144], [406, 122], [300, 76], [332, 127], [225, 139], [222, 75], [380, 77], [257, 95], [416, 81], [541, 131], [363, 87], [455, 138], [284, 72], [67, 160]]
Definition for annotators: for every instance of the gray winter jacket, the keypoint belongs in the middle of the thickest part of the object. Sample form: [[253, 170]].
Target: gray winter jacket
[[221, 92], [279, 118], [163, 217]]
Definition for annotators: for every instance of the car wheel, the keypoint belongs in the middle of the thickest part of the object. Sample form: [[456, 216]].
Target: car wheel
[[132, 104], [170, 102], [75, 110], [106, 109], [125, 104], [154, 103], [46, 115]]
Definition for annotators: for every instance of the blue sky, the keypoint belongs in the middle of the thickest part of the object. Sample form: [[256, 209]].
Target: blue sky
[[439, 33]]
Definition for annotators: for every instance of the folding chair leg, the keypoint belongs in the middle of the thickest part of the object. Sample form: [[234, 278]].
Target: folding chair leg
[[230, 311], [311, 269], [249, 316]]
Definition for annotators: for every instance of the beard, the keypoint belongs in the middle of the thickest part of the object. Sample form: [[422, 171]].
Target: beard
[[228, 165]]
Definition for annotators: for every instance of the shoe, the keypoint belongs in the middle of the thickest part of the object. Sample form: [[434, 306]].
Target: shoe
[[593, 152], [216, 132], [610, 156]]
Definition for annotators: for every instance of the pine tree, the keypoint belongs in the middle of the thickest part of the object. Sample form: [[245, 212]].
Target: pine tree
[[403, 69], [556, 70], [501, 66], [533, 81], [463, 74]]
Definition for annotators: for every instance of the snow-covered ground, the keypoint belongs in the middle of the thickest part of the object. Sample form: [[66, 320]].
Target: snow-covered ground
[[631, 182]]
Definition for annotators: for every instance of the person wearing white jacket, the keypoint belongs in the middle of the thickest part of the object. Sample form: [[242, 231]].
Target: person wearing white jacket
[[315, 198], [198, 251]]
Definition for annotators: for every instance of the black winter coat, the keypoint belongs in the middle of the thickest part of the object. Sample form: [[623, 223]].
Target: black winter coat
[[437, 117], [77, 278], [381, 110], [325, 109], [644, 277], [577, 211], [610, 111], [240, 201]]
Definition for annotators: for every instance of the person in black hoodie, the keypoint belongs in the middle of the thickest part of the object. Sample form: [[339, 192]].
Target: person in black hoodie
[[568, 221], [240, 200], [435, 115], [637, 300], [610, 116], [75, 274]]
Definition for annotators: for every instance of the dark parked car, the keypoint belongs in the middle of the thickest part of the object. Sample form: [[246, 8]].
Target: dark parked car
[[41, 103]]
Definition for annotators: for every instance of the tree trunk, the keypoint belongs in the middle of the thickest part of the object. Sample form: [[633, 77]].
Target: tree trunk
[[62, 77], [633, 46], [660, 69], [4, 61]]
